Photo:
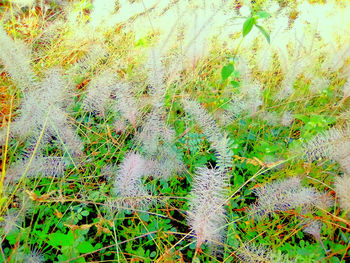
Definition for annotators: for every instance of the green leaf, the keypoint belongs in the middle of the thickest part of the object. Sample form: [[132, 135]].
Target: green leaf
[[263, 14], [85, 247], [59, 239], [248, 25], [227, 71], [264, 32], [235, 84], [85, 213]]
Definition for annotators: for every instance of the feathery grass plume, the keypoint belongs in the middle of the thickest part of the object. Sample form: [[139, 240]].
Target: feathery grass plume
[[271, 118], [95, 53], [198, 34], [333, 144], [287, 118], [318, 84], [120, 125], [346, 88], [337, 60], [264, 58], [223, 152], [293, 71], [235, 108], [253, 95], [12, 220], [250, 253], [204, 120], [30, 117], [206, 215], [126, 103], [220, 142], [40, 165], [128, 186], [157, 141], [54, 89], [156, 76], [153, 131], [72, 142], [282, 196], [51, 94], [15, 56], [313, 227], [166, 162], [34, 257], [99, 92], [342, 189]]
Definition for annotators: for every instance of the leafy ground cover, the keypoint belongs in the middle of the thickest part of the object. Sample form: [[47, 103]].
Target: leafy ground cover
[[175, 131]]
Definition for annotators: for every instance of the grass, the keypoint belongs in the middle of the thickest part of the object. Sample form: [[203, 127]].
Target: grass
[[77, 217]]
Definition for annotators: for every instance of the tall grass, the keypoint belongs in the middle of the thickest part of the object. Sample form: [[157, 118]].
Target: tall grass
[[174, 131]]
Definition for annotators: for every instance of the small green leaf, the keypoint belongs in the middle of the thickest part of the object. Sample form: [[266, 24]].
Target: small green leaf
[[248, 25], [227, 71], [264, 32], [85, 213], [263, 14], [235, 84]]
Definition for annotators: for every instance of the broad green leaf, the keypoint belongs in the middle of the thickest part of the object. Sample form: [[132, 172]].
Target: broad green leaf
[[264, 32], [85, 247], [263, 14], [59, 239], [248, 25], [227, 71]]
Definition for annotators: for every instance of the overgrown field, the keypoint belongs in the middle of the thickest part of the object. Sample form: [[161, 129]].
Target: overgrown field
[[175, 131]]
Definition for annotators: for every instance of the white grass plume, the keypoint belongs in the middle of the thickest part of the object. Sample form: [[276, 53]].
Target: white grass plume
[[333, 144], [203, 119], [34, 257], [206, 215], [128, 186], [220, 142], [99, 92], [250, 253], [342, 189], [283, 195], [15, 56], [156, 76], [94, 54], [153, 131], [126, 102], [166, 163], [12, 220], [40, 165]]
